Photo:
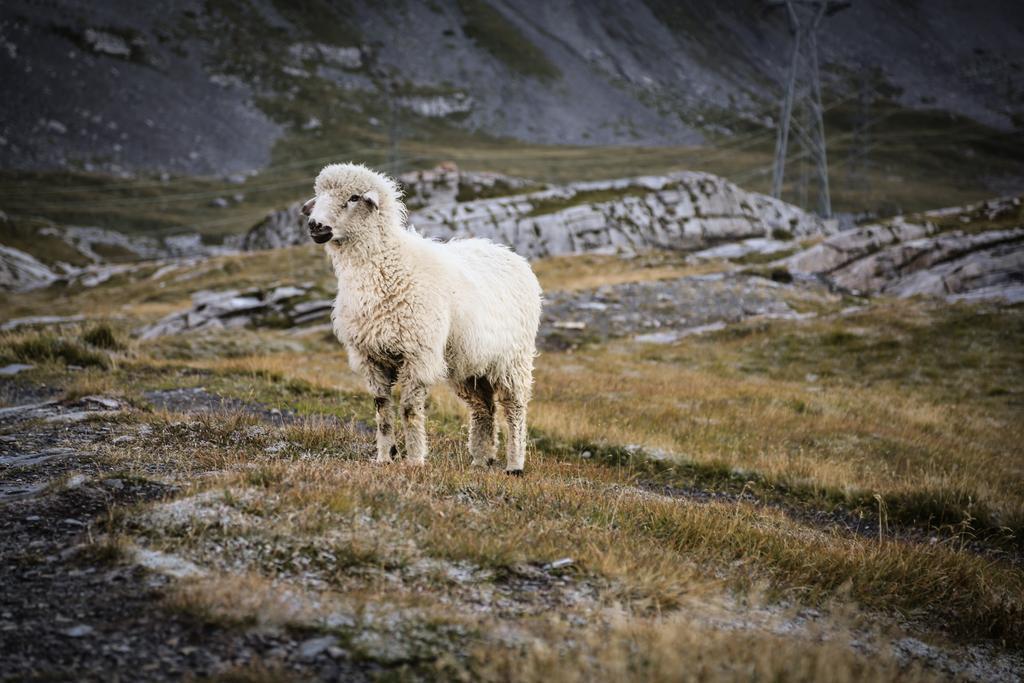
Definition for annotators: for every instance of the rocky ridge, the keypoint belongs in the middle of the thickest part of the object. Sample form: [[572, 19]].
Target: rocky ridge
[[683, 210], [445, 184], [982, 259]]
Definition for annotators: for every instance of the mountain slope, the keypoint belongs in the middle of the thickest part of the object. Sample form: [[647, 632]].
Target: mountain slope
[[211, 87]]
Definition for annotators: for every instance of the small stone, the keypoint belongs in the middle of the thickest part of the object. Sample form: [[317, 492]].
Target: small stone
[[105, 401], [559, 564], [314, 647], [79, 631], [74, 482], [113, 483]]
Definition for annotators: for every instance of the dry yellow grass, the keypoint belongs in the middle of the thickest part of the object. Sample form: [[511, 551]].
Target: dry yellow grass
[[594, 270], [838, 437], [645, 552]]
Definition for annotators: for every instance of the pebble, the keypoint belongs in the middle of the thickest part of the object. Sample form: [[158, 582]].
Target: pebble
[[314, 647], [14, 369], [78, 631], [559, 564]]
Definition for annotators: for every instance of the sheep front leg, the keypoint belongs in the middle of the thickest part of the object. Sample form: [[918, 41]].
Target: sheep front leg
[[414, 400], [381, 381]]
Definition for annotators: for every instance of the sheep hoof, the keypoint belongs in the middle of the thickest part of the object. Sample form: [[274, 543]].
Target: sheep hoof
[[381, 461], [514, 473]]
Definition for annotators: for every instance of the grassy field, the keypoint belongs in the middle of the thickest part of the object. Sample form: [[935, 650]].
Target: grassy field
[[744, 503]]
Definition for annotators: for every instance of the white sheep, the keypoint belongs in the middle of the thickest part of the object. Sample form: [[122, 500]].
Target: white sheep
[[413, 311]]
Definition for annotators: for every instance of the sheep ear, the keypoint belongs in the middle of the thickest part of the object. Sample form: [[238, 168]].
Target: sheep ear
[[307, 208], [372, 198]]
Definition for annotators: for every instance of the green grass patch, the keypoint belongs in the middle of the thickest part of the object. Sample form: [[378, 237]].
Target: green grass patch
[[47, 347], [496, 34], [554, 204], [102, 336]]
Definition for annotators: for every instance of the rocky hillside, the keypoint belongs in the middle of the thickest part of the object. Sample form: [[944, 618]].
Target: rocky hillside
[[674, 211], [192, 87]]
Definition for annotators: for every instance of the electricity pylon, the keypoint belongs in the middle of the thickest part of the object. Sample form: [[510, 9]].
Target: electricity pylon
[[803, 92]]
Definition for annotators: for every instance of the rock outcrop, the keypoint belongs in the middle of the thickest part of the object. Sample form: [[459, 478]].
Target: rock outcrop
[[283, 306], [445, 184], [282, 228], [20, 272], [684, 210], [101, 254], [982, 259]]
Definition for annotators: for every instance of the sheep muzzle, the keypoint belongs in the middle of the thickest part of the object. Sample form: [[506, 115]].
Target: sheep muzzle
[[319, 232]]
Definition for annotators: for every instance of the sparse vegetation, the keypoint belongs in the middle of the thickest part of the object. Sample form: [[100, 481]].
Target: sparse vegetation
[[553, 204]]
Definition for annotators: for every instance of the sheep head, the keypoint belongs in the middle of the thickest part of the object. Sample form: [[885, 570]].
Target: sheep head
[[352, 202]]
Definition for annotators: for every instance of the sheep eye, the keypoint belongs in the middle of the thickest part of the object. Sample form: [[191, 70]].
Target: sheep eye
[[353, 198]]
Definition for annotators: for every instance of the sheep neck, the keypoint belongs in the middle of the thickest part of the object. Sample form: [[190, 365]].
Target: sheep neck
[[371, 266]]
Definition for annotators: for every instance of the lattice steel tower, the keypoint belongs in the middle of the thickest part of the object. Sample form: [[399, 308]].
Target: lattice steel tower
[[802, 112]]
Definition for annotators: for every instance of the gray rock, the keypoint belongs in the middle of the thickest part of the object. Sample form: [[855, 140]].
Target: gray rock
[[314, 647], [232, 308], [14, 369], [21, 272], [15, 323], [285, 292], [311, 306]]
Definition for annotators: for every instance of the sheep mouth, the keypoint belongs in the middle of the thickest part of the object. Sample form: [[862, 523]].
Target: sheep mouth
[[319, 232]]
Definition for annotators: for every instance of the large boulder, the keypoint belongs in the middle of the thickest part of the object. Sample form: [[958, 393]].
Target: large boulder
[[282, 228]]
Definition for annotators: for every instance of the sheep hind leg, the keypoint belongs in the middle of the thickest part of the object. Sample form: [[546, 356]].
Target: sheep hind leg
[[381, 381], [478, 394], [414, 401], [514, 402]]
